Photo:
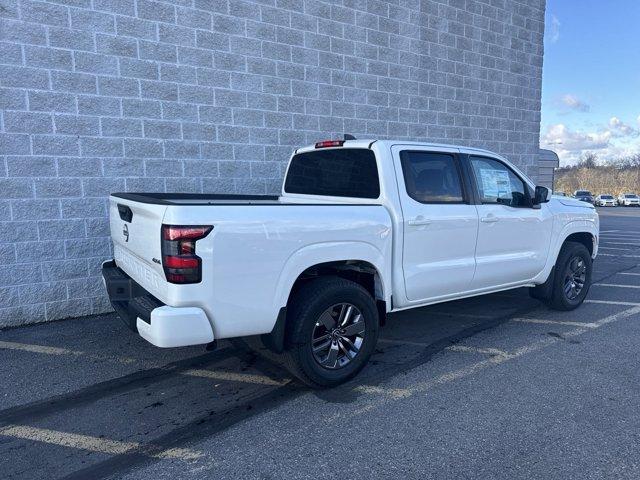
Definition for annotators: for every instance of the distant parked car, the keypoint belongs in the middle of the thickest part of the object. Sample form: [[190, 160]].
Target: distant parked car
[[629, 200], [583, 196], [605, 200]]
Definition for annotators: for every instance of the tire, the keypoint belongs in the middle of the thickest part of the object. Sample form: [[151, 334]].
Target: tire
[[571, 255], [326, 298]]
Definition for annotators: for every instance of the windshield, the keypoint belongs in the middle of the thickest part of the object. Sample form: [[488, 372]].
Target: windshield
[[607, 197], [583, 192], [630, 195]]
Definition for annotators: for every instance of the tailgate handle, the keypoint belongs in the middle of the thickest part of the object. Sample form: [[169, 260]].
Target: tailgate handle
[[125, 213]]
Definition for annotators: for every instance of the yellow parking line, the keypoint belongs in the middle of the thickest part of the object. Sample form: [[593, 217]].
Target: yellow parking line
[[613, 302], [404, 342], [461, 315], [28, 347], [212, 374], [92, 444], [554, 322], [469, 349], [452, 348], [391, 392], [235, 377], [38, 348], [615, 285]]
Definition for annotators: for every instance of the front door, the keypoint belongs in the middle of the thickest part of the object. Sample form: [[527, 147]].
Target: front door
[[513, 237], [439, 223]]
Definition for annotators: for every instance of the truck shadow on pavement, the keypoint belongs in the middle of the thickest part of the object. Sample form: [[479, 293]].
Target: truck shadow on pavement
[[174, 405]]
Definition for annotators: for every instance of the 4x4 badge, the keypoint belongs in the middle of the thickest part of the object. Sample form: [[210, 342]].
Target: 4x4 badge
[[125, 232]]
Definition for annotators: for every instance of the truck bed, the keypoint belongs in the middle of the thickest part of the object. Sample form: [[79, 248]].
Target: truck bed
[[251, 256]]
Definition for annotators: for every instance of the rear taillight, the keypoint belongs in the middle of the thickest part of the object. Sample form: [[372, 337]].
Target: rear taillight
[[179, 259]]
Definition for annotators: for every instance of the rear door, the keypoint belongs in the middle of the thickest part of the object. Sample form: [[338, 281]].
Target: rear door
[[135, 232], [440, 223], [513, 236]]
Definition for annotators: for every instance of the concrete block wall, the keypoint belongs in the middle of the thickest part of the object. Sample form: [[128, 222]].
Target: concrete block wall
[[98, 96]]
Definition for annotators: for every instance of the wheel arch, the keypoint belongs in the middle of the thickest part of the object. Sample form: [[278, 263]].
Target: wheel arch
[[335, 258], [359, 262], [585, 238], [361, 272], [584, 232]]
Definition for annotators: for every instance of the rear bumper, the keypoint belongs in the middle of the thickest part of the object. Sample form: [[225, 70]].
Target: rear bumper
[[159, 324]]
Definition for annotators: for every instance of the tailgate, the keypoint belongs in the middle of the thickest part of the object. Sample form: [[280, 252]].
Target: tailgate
[[135, 231]]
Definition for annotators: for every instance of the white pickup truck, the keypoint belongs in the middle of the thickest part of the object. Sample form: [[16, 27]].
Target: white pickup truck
[[361, 229]]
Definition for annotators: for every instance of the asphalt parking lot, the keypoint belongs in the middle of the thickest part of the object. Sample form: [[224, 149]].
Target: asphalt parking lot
[[491, 387]]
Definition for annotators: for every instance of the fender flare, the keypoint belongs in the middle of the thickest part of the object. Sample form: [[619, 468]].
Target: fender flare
[[325, 252], [575, 226]]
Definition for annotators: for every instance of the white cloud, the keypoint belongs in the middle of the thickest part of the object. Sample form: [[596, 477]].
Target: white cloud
[[620, 129], [552, 29], [613, 140], [574, 103], [569, 139]]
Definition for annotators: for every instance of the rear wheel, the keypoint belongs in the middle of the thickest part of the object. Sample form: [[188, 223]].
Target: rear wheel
[[332, 330], [572, 277]]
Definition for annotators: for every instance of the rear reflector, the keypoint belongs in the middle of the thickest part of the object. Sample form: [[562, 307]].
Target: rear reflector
[[330, 143], [179, 260]]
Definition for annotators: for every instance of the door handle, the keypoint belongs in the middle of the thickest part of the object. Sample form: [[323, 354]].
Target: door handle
[[490, 219], [418, 221]]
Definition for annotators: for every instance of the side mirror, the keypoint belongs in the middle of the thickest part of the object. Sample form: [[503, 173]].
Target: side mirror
[[541, 195]]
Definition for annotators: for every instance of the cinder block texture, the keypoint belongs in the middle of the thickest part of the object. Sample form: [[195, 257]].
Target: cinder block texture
[[213, 95]]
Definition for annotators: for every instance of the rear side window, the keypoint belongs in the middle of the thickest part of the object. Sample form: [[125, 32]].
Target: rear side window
[[431, 177], [336, 172]]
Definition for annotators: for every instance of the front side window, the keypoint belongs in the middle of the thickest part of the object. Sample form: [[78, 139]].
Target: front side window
[[335, 172], [431, 177], [497, 183]]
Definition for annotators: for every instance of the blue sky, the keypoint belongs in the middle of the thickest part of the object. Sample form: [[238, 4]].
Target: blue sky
[[591, 78]]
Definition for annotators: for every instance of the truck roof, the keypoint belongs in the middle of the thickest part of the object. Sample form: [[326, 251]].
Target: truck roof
[[367, 142]]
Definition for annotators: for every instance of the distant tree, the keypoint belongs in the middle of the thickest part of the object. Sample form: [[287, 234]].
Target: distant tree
[[616, 176], [588, 160]]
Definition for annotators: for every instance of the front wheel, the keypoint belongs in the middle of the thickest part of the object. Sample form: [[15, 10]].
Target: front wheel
[[572, 277], [332, 330]]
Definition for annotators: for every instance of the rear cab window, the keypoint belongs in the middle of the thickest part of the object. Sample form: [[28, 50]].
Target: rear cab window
[[334, 172]]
